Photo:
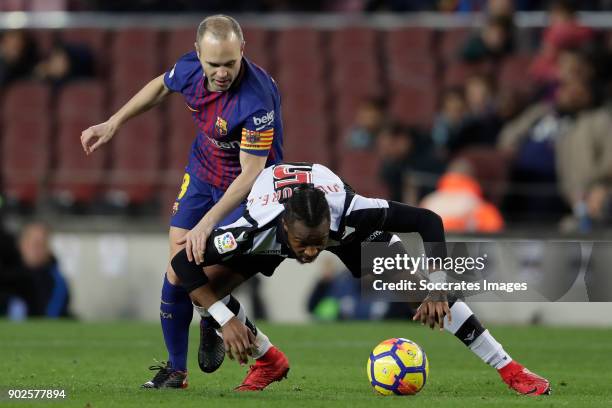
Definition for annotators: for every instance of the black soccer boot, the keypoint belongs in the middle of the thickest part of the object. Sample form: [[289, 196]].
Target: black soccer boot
[[166, 377], [211, 352]]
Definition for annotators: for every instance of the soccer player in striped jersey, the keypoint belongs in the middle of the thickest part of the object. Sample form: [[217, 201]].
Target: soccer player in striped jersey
[[236, 107], [297, 211]]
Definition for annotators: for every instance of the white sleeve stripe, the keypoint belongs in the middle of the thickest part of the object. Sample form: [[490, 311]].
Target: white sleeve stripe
[[362, 203]]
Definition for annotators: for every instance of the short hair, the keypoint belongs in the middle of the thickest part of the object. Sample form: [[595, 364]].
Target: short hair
[[564, 6], [308, 205], [36, 224], [220, 26]]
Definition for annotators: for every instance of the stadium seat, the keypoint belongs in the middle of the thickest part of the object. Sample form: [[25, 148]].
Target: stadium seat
[[456, 73], [307, 139], [295, 53], [306, 126], [297, 76], [414, 89], [136, 159], [451, 43], [350, 41], [354, 76], [513, 73], [411, 70], [178, 42], [82, 99], [25, 158], [298, 44], [414, 104], [351, 53], [135, 60], [28, 100], [360, 168], [303, 103], [258, 47], [414, 41], [25, 155], [78, 178]]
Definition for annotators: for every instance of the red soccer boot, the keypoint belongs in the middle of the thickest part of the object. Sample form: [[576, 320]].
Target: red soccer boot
[[524, 381], [272, 366]]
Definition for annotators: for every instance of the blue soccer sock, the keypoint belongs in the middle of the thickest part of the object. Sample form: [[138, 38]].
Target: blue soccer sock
[[175, 314]]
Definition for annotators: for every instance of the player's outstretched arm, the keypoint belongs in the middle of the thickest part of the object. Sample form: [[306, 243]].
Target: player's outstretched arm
[[195, 240], [151, 95]]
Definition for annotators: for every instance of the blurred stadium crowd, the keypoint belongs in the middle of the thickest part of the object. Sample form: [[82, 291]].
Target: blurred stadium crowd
[[491, 127], [281, 5]]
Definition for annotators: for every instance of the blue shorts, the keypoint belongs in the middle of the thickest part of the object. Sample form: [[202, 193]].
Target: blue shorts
[[194, 200]]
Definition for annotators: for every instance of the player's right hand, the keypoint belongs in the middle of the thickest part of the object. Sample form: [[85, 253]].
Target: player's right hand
[[95, 136], [238, 340], [433, 309]]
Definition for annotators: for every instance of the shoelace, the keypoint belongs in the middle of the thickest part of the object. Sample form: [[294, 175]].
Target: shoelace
[[162, 371], [160, 365]]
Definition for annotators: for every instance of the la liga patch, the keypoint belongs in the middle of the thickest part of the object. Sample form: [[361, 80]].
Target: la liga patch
[[225, 243]]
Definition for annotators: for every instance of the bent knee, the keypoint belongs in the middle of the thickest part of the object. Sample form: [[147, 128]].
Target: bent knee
[[174, 235]]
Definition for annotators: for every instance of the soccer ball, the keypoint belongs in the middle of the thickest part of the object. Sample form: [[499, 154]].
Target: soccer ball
[[398, 366]]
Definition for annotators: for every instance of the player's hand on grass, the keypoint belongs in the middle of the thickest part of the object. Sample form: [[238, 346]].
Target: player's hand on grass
[[195, 242], [95, 136], [238, 340], [432, 310]]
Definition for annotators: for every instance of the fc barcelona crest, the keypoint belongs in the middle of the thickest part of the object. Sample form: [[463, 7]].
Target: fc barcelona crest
[[221, 126], [252, 136]]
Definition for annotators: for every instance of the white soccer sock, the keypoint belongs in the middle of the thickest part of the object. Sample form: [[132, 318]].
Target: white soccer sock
[[262, 344], [484, 346], [460, 312], [490, 351]]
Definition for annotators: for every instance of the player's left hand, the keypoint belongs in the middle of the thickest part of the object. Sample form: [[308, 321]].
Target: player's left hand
[[433, 310], [195, 242], [238, 340]]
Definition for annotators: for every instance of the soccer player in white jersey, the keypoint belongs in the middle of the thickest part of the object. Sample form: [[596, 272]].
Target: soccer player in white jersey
[[299, 210]]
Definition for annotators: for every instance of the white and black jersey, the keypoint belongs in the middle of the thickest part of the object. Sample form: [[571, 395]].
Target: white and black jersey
[[259, 232], [354, 219]]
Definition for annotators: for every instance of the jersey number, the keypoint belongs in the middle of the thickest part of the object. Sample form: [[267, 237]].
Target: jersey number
[[288, 175]]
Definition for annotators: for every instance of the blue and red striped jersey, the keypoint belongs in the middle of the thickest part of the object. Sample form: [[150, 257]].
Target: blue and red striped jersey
[[247, 117]]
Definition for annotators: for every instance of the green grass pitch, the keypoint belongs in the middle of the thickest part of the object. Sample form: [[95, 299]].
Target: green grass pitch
[[103, 364]]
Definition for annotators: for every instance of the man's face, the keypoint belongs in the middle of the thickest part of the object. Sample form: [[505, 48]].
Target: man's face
[[220, 59], [34, 246], [369, 117], [306, 242], [494, 36], [573, 96]]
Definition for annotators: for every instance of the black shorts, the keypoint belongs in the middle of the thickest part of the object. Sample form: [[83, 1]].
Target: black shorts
[[350, 254], [250, 265]]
